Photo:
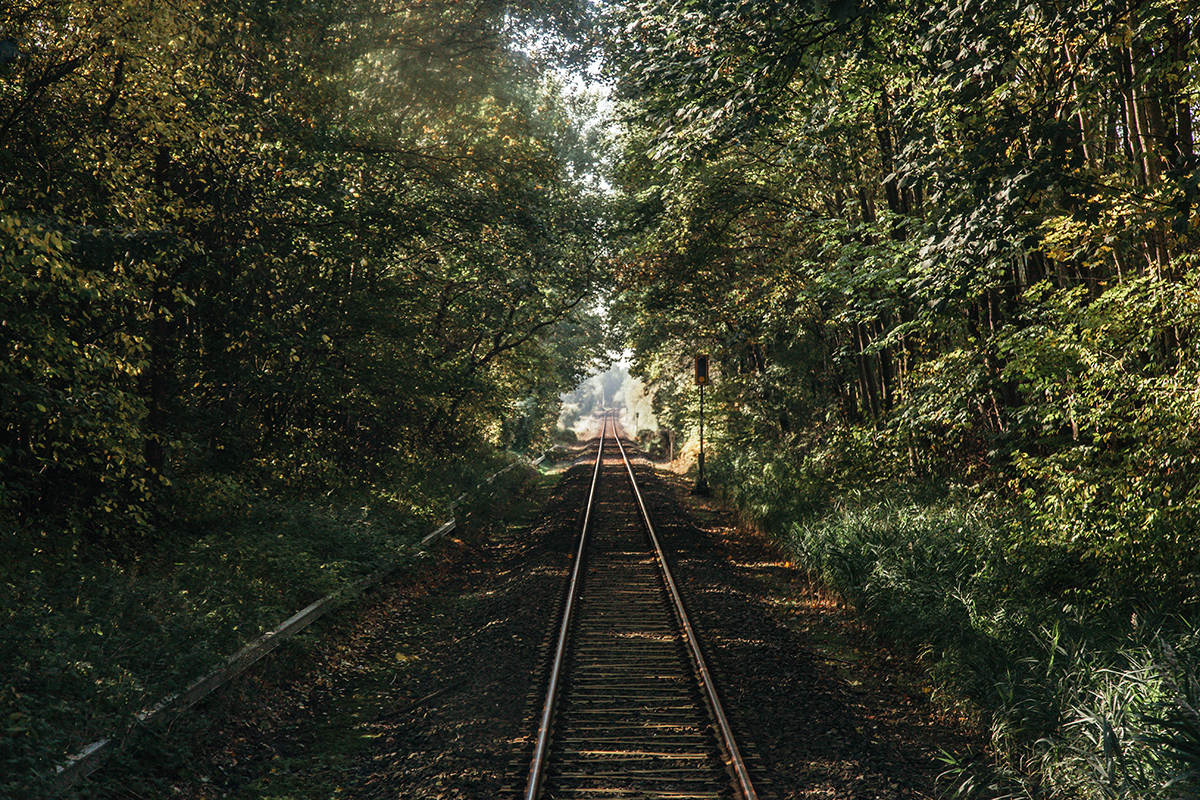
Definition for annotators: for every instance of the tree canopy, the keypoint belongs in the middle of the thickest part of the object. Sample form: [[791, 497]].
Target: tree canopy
[[945, 250], [309, 244], [968, 228]]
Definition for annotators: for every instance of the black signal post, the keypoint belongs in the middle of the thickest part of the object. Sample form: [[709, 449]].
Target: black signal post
[[701, 489]]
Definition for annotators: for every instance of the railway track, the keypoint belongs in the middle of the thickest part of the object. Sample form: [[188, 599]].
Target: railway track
[[630, 709]]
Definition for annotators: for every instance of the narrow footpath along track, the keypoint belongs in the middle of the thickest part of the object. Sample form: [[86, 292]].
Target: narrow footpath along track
[[631, 710]]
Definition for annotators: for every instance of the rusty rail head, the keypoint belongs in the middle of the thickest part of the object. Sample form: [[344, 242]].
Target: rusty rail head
[[536, 769], [724, 730]]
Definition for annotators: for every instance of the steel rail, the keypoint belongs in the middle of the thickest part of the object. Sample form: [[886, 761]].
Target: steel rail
[[710, 690], [537, 768]]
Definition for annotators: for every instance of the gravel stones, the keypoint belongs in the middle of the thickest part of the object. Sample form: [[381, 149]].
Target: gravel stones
[[432, 686]]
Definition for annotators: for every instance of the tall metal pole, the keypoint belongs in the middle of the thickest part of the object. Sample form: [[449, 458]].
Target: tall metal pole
[[701, 488]]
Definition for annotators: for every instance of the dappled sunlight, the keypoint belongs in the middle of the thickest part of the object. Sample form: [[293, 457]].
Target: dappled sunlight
[[655, 636], [762, 565]]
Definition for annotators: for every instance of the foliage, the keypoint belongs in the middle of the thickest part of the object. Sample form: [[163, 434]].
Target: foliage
[[86, 647], [936, 245], [303, 246], [251, 255], [71, 413], [1079, 703]]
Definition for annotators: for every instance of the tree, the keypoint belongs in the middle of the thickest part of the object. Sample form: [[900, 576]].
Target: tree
[[316, 243], [888, 209]]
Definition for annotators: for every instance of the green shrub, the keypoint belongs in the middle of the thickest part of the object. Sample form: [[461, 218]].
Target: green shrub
[[1020, 630], [87, 643]]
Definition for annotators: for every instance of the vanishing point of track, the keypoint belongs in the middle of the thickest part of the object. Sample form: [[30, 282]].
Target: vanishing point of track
[[630, 710]]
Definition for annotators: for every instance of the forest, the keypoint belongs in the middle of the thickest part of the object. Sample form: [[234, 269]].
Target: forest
[[280, 279]]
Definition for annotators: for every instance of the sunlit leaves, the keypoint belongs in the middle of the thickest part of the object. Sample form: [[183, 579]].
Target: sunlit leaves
[[970, 225], [70, 415], [322, 240]]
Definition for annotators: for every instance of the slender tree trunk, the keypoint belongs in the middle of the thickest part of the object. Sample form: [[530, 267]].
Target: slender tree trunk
[[1087, 149], [1185, 146], [897, 201], [1133, 123], [153, 389], [866, 372], [887, 378]]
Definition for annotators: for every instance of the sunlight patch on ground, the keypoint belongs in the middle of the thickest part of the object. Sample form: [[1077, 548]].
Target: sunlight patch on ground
[[762, 564]]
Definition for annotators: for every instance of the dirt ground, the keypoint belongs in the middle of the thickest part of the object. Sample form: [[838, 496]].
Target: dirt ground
[[431, 687]]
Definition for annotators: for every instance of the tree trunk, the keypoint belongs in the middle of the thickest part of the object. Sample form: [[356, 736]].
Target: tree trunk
[[866, 373], [1087, 149], [1185, 146]]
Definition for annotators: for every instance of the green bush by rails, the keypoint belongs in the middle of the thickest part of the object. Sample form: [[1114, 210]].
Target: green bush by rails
[[1083, 696]]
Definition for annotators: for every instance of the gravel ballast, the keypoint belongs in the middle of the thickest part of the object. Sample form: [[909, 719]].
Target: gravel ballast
[[430, 687]]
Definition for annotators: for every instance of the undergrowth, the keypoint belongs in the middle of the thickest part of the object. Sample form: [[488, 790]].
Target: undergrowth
[[88, 640], [1086, 693]]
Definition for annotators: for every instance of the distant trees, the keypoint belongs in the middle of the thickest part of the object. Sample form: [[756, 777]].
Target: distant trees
[[969, 230], [306, 245]]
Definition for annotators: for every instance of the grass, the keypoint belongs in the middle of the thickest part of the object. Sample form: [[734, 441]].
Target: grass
[[86, 641], [316, 750], [1084, 697]]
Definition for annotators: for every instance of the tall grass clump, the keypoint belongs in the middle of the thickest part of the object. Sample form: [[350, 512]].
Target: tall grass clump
[[1085, 693], [1079, 702], [774, 486], [1134, 730]]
